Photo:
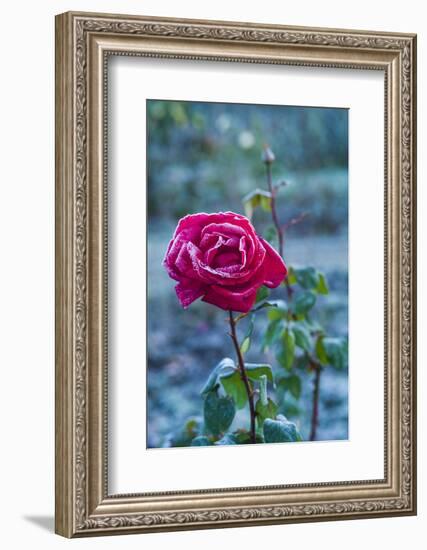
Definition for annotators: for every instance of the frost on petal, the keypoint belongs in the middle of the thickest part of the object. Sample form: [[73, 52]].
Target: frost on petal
[[188, 290], [192, 225]]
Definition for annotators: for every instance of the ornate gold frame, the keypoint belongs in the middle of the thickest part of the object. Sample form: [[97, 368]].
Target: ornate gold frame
[[83, 42]]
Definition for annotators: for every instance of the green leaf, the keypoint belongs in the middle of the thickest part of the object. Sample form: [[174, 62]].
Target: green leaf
[[302, 361], [262, 305], [263, 396], [278, 311], [322, 285], [264, 411], [304, 302], [302, 336], [227, 439], [321, 352], [257, 197], [291, 276], [336, 352], [201, 441], [226, 365], [307, 277], [265, 201], [254, 371], [184, 436], [246, 343], [192, 426], [235, 388], [262, 294], [287, 354], [272, 333], [243, 437], [314, 326], [292, 384], [218, 413], [280, 431]]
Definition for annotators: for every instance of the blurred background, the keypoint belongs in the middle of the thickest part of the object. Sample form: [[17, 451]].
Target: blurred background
[[207, 157]]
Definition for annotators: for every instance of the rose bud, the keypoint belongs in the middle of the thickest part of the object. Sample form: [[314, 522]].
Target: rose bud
[[268, 155]]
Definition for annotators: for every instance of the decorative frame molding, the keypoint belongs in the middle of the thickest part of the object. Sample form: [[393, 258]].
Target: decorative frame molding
[[83, 43]]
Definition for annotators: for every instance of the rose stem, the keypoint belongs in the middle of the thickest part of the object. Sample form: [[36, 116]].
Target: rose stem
[[278, 227], [243, 374], [316, 390], [269, 159], [276, 222]]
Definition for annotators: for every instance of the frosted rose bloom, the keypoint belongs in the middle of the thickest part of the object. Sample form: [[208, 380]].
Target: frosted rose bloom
[[220, 258]]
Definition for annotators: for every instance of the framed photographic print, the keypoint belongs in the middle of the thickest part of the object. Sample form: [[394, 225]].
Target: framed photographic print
[[235, 274]]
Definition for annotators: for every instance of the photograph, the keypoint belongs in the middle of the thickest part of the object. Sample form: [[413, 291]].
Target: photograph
[[247, 274], [235, 271]]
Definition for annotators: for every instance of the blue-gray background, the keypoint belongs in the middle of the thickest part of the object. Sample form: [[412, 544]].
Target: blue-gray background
[[206, 157]]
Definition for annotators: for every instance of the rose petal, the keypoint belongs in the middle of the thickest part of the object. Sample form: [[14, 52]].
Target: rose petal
[[232, 276], [231, 299], [242, 250], [213, 251], [225, 230], [192, 224], [196, 222], [189, 263], [187, 291], [174, 250], [229, 261], [274, 267]]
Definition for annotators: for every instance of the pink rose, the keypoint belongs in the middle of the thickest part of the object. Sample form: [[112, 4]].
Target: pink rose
[[220, 257]]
